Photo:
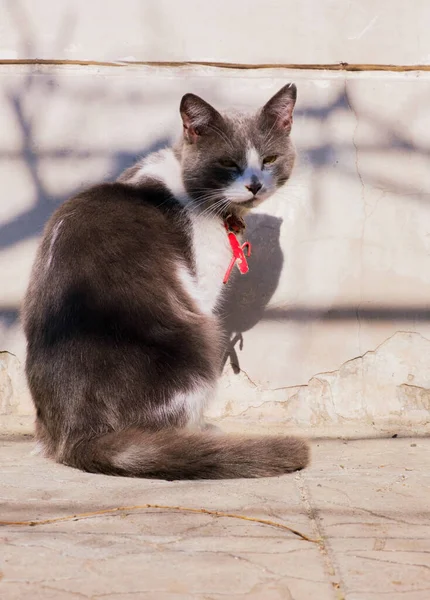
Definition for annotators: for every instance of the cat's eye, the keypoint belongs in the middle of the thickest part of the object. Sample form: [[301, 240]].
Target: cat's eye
[[269, 160], [228, 164]]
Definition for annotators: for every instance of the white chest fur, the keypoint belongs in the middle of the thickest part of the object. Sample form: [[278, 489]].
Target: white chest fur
[[212, 255]]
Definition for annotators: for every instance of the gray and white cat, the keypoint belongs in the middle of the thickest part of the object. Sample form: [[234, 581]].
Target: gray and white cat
[[124, 345]]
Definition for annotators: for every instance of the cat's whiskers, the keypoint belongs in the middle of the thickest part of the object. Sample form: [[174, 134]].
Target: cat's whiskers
[[213, 208], [202, 200]]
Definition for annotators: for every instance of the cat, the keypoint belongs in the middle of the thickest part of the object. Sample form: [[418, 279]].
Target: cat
[[123, 342]]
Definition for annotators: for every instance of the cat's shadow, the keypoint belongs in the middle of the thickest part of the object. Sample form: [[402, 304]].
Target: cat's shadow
[[248, 295]]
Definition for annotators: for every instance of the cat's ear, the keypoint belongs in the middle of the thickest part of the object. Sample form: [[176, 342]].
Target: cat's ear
[[279, 110], [197, 115]]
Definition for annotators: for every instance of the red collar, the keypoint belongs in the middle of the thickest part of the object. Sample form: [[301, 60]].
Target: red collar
[[234, 225]]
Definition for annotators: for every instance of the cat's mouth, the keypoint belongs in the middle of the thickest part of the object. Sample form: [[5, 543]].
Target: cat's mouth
[[247, 203], [250, 203]]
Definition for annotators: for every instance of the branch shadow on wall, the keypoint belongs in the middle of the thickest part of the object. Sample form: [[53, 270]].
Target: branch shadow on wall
[[30, 223]]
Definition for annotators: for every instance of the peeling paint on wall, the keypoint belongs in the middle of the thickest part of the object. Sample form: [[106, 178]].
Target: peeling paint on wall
[[388, 385]]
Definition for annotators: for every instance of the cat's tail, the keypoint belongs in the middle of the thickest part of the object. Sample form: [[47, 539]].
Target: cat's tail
[[181, 454]]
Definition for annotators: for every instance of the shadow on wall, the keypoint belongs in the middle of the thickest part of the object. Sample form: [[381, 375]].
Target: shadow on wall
[[30, 223], [248, 296], [23, 100]]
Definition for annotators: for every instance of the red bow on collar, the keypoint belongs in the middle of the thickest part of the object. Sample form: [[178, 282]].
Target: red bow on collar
[[235, 225]]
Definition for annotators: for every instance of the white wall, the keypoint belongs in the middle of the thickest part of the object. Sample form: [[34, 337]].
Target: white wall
[[334, 315], [238, 31]]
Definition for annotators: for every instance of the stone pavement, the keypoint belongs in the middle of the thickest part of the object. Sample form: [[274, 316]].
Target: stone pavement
[[367, 501]]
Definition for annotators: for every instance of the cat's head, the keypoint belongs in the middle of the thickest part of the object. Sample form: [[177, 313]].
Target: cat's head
[[236, 160]]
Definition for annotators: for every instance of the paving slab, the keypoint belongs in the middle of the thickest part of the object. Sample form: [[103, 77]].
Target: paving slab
[[365, 500], [371, 502]]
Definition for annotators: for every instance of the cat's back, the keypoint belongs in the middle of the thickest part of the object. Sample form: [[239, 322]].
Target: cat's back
[[113, 241], [111, 216]]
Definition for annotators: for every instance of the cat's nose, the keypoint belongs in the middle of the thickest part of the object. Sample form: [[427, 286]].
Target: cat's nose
[[254, 187]]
